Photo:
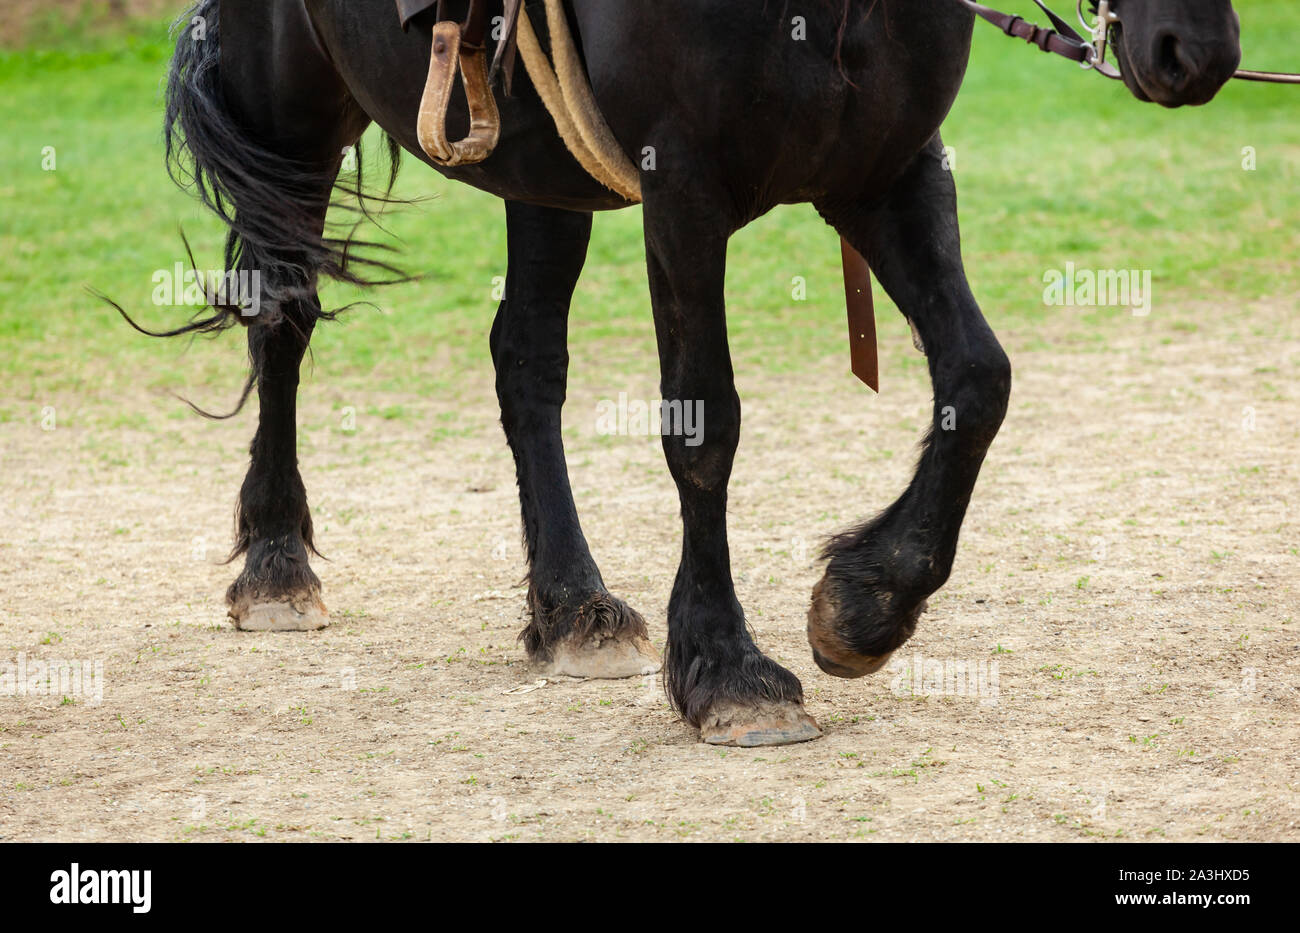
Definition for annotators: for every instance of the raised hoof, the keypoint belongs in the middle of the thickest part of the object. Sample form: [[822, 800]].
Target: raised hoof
[[829, 647], [306, 614], [603, 657], [747, 726]]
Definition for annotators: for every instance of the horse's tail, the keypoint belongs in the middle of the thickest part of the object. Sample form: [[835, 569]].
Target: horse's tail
[[273, 206]]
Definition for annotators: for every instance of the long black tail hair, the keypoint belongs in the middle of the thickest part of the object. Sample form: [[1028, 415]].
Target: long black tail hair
[[271, 205]]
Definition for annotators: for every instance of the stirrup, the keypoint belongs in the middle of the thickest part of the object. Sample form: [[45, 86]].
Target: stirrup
[[484, 118]]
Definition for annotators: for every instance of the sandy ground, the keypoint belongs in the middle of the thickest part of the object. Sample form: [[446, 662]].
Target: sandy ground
[[1129, 565]]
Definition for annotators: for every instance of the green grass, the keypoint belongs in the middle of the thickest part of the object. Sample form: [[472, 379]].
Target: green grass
[[1053, 164]]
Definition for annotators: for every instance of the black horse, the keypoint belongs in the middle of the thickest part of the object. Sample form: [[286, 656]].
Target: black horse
[[745, 108]]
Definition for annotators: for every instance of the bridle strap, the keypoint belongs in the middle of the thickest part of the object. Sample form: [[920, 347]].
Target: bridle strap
[[1046, 39], [1074, 47]]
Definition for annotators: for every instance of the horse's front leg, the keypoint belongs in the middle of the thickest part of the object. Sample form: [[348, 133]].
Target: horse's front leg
[[879, 574], [715, 676]]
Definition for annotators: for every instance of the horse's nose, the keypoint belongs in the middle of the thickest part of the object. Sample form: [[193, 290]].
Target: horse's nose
[[1193, 72], [1173, 63]]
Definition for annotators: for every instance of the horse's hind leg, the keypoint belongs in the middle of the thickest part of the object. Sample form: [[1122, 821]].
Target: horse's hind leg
[[577, 627], [277, 590], [265, 119], [880, 573]]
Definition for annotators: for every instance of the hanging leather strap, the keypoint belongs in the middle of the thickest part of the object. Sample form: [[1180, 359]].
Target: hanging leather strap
[[863, 355], [503, 62]]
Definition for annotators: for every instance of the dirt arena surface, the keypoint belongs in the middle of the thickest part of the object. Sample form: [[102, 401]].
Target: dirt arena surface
[[1129, 564]]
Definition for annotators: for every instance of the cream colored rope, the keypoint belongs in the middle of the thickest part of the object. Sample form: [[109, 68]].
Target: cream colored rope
[[567, 95]]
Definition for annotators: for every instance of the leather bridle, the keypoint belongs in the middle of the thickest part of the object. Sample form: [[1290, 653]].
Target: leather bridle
[[1090, 52]]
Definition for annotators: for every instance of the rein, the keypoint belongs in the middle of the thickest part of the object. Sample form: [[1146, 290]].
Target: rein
[[1064, 40], [1090, 53]]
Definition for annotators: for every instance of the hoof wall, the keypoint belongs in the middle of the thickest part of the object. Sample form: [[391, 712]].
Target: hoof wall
[[752, 726], [300, 616], [603, 658]]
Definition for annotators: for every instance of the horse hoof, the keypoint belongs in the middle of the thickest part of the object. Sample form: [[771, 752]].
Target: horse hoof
[[298, 615], [829, 646], [748, 726], [603, 657]]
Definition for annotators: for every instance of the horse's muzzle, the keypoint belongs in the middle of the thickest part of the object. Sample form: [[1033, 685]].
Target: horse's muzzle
[[1188, 72]]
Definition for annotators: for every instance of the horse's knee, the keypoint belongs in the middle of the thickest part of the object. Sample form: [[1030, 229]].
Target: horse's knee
[[990, 372], [701, 449], [974, 400], [494, 337]]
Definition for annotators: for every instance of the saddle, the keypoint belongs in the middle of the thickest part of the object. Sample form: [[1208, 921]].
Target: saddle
[[567, 96], [463, 47]]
